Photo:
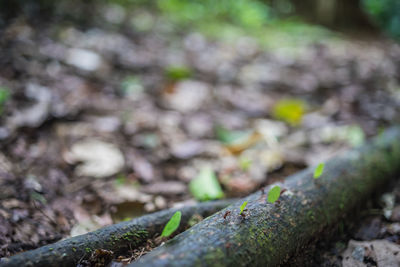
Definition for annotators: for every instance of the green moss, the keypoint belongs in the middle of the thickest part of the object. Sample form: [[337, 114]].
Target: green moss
[[215, 258], [88, 250]]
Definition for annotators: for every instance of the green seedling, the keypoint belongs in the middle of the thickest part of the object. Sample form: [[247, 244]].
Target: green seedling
[[274, 194], [319, 170], [243, 207], [172, 224]]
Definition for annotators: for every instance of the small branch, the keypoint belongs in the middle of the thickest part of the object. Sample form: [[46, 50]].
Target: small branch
[[116, 237]]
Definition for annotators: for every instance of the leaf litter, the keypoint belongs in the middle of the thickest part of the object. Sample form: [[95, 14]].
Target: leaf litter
[[110, 112]]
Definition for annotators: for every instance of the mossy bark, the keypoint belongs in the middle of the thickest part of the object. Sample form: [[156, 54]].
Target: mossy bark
[[271, 233], [116, 237]]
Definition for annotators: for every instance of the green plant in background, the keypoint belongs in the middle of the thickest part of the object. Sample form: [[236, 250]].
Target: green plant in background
[[243, 206], [246, 13], [131, 85], [245, 163], [289, 110], [274, 194], [229, 137], [120, 180], [4, 96], [386, 14], [230, 20], [319, 170], [355, 135], [177, 73], [206, 186], [172, 224]]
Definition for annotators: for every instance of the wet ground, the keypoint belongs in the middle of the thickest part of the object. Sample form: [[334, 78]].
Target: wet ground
[[104, 123]]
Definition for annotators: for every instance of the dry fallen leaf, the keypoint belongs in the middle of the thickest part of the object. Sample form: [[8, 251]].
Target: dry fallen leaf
[[99, 159]]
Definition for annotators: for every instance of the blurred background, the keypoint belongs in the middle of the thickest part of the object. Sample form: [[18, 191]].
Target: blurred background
[[114, 108]]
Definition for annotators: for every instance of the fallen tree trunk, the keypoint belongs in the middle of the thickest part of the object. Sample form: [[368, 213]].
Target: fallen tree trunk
[[116, 237], [271, 233]]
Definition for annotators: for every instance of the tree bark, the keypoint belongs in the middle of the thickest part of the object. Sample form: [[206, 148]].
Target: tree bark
[[271, 233], [116, 237]]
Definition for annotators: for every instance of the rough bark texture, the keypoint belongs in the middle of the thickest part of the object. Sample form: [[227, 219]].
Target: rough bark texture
[[271, 233], [116, 237]]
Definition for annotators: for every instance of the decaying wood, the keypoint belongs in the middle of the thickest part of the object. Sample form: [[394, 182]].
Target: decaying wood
[[270, 233], [116, 237]]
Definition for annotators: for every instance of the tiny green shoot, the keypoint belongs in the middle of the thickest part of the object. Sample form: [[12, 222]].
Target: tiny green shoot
[[243, 206], [319, 170], [172, 224], [274, 194]]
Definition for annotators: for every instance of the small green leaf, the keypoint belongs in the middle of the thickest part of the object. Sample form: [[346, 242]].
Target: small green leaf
[[319, 170], [243, 206], [172, 224], [289, 110], [38, 197], [274, 194], [206, 186], [178, 73]]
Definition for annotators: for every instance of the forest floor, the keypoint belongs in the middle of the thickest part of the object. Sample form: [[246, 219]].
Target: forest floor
[[157, 106]]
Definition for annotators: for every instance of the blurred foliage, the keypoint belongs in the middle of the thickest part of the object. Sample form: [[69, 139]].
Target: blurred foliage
[[4, 96], [386, 14], [245, 163], [206, 186], [289, 110], [356, 136], [177, 73], [271, 24], [120, 180], [131, 86], [246, 13], [274, 28], [230, 137]]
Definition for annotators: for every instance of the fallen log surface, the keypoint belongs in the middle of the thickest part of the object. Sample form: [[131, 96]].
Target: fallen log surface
[[116, 237], [271, 233]]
